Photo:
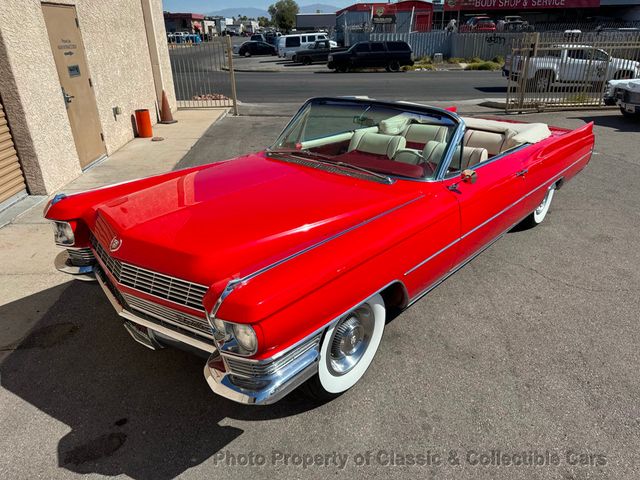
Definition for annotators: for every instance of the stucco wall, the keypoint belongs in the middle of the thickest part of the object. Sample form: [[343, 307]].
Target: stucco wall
[[31, 95], [117, 52]]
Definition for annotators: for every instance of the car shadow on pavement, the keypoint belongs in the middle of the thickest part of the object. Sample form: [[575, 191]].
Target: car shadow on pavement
[[133, 411], [616, 121]]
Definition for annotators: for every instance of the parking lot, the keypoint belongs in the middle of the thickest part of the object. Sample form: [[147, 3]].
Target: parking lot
[[532, 348]]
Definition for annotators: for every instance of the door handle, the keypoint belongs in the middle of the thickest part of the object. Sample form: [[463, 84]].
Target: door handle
[[522, 173]]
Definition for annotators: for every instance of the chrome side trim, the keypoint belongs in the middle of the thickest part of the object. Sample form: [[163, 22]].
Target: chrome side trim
[[473, 230], [234, 283]]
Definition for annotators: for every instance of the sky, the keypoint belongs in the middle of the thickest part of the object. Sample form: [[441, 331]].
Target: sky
[[202, 6]]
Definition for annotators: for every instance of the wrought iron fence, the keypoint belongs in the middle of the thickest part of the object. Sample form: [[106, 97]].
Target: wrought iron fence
[[568, 74], [203, 72], [485, 46]]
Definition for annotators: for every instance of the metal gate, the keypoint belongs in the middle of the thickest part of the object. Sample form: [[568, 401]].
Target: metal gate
[[203, 73], [568, 73], [11, 177]]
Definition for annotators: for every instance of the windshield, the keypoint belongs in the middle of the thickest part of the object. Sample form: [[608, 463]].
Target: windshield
[[383, 139]]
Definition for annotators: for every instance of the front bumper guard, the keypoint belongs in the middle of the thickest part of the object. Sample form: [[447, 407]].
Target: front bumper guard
[[63, 264]]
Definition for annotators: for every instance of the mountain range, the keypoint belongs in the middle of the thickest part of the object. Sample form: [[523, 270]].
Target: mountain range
[[258, 12]]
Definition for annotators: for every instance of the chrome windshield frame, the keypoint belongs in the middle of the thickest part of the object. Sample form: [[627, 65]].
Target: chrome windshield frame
[[416, 108]]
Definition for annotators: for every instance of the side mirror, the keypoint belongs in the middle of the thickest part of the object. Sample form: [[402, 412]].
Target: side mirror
[[469, 176]]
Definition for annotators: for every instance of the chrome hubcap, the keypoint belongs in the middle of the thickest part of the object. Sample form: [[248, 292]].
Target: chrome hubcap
[[350, 341], [542, 206]]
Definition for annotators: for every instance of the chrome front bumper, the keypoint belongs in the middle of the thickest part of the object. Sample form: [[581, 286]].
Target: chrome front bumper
[[241, 380], [265, 382]]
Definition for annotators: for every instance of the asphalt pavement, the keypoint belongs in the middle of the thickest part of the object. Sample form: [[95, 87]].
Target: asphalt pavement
[[294, 86], [530, 350]]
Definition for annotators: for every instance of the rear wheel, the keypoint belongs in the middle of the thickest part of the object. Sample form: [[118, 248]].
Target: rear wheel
[[541, 82], [393, 66], [539, 214], [347, 350]]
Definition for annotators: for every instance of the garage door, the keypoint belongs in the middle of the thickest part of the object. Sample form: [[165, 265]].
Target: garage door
[[11, 178]]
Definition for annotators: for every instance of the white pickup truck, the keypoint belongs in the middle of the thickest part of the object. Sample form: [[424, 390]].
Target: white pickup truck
[[569, 64]]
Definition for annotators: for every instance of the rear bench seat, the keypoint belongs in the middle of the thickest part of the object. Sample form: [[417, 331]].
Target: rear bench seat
[[497, 137]]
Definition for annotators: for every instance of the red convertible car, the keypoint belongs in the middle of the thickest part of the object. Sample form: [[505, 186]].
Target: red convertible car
[[279, 266]]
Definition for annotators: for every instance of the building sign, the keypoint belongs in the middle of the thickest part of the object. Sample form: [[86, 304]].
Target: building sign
[[517, 4], [383, 19]]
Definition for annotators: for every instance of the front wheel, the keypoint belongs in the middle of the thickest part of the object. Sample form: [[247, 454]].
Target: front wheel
[[629, 114], [247, 54], [342, 68], [539, 214], [393, 66], [347, 350]]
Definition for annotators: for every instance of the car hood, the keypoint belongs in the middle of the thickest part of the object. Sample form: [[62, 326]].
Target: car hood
[[235, 217]]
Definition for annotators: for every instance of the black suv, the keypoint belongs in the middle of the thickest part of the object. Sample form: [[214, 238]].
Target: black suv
[[391, 55]]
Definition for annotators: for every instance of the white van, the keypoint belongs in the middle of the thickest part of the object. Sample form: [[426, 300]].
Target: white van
[[289, 44]]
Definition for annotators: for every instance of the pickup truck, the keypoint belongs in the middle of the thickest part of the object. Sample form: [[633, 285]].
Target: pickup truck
[[569, 64], [318, 52]]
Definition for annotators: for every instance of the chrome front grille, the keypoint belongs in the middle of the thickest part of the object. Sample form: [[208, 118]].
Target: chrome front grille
[[168, 315], [81, 256], [246, 368], [162, 286]]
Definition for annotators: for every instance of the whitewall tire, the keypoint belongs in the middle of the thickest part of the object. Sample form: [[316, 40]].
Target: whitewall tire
[[540, 213], [347, 349]]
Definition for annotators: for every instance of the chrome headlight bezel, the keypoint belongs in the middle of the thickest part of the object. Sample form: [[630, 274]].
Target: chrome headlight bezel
[[63, 234]]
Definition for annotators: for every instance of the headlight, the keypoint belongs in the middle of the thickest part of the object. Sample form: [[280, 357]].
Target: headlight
[[63, 234], [330, 58], [246, 337], [220, 326]]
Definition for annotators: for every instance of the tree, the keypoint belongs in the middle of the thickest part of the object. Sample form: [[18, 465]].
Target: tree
[[283, 14], [264, 22]]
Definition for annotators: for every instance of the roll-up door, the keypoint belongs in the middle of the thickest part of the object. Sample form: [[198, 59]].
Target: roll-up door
[[11, 177]]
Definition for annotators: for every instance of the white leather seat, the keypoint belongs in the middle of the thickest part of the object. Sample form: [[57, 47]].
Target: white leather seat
[[497, 136], [471, 157], [420, 133], [493, 142], [431, 153], [377, 143]]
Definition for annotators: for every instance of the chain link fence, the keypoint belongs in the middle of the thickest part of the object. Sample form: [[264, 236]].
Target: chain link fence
[[203, 72]]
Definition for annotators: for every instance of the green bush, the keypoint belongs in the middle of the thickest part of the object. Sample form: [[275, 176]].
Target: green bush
[[483, 66], [499, 59]]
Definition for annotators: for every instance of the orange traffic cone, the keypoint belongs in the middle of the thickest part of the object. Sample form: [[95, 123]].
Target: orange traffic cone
[[165, 112]]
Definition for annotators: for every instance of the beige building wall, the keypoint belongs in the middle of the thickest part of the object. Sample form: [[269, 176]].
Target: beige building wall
[[117, 50]]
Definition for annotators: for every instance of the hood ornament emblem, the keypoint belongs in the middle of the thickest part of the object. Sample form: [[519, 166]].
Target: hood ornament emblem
[[115, 244]]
